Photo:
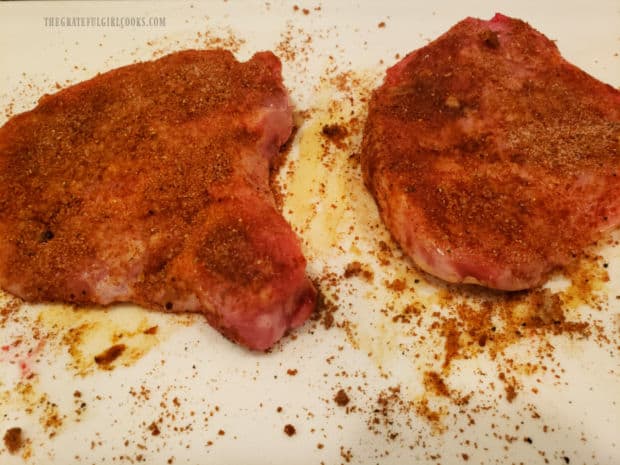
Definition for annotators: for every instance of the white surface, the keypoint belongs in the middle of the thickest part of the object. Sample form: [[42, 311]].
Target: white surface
[[580, 407]]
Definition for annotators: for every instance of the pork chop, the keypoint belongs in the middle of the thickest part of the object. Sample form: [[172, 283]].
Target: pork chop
[[491, 158], [150, 184]]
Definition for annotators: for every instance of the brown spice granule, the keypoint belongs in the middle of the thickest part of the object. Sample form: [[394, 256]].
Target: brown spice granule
[[289, 429], [319, 446], [511, 393], [154, 429], [452, 346], [221, 432], [227, 40], [336, 133], [381, 24], [397, 285], [341, 398], [328, 320], [406, 314], [432, 416], [434, 382], [346, 454], [324, 312], [357, 269], [106, 357], [291, 371], [353, 269], [151, 330], [509, 386], [465, 457], [13, 439]]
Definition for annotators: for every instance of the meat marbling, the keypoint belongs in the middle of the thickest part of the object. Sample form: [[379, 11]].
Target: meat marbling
[[150, 184], [491, 158]]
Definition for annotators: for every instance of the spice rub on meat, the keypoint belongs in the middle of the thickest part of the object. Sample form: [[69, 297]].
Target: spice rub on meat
[[150, 184], [491, 158]]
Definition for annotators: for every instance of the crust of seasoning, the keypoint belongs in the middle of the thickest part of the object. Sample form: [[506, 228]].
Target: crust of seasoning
[[493, 150], [150, 184], [58, 231]]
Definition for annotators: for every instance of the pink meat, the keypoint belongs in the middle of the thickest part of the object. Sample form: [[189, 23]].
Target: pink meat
[[492, 159], [150, 184]]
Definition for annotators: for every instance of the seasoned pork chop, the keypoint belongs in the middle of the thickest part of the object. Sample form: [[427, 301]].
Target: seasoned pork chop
[[150, 184], [491, 158]]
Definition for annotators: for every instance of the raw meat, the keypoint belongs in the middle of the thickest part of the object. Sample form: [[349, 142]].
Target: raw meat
[[150, 184], [492, 159]]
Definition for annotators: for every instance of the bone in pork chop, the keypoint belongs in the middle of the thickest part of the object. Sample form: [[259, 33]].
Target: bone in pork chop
[[491, 158], [150, 184]]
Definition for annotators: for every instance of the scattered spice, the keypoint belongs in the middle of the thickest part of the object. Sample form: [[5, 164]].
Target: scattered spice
[[106, 357], [289, 429], [336, 133], [151, 330], [13, 439], [397, 285], [510, 386], [154, 429], [433, 382], [341, 398], [358, 269], [324, 311]]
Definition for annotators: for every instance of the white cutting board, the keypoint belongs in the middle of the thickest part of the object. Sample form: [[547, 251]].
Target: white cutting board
[[183, 394]]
